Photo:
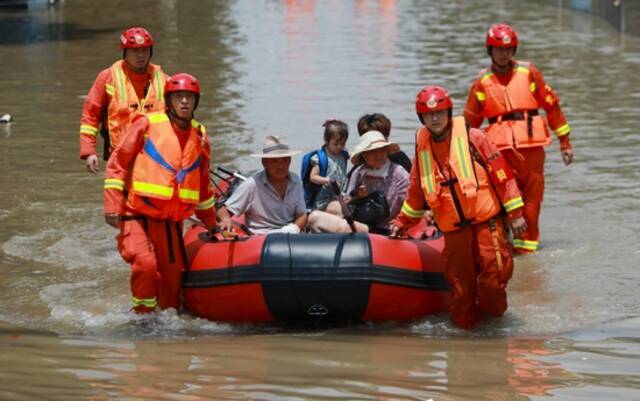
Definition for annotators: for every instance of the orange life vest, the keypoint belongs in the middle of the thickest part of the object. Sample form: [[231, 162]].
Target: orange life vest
[[124, 104], [165, 179], [512, 110], [473, 200]]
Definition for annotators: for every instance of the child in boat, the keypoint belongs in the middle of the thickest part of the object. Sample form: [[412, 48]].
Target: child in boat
[[324, 165]]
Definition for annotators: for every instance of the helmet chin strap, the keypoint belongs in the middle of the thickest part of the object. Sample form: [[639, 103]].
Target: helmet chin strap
[[174, 116]]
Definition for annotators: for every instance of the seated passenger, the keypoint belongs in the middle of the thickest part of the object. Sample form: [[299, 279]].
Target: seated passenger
[[321, 166], [271, 200], [374, 173], [380, 122]]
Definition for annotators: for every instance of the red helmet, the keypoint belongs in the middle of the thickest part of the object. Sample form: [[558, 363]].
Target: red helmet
[[432, 98], [501, 35], [182, 82], [135, 38]]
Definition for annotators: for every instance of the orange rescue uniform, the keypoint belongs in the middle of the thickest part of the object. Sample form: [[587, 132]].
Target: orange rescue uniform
[[165, 172], [466, 182], [511, 102], [114, 100]]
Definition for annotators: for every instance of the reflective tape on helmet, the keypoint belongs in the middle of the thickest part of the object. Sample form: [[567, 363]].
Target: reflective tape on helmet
[[114, 183], [411, 212], [513, 204], [563, 130], [481, 96], [89, 130], [206, 204]]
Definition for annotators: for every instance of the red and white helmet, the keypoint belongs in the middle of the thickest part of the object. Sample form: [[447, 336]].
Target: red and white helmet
[[501, 35], [135, 38], [432, 98]]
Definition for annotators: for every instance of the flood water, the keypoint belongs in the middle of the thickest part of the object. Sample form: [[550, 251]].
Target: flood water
[[572, 329]]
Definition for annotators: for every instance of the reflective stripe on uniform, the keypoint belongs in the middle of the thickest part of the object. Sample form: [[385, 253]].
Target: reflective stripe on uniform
[[428, 179], [89, 130], [525, 244], [120, 85], [411, 212], [189, 194], [148, 302], [563, 130], [481, 96], [461, 154], [513, 204], [157, 79], [522, 69], [153, 189], [486, 76], [114, 183], [109, 89], [206, 204], [532, 86], [156, 118]]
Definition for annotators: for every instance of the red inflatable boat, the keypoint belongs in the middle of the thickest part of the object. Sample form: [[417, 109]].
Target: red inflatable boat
[[311, 277]]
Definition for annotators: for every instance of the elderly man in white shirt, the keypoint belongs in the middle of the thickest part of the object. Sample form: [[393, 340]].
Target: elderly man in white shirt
[[271, 200]]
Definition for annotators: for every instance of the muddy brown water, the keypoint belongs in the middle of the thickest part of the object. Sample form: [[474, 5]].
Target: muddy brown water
[[571, 332]]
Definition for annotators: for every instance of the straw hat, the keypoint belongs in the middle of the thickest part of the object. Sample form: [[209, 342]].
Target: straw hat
[[372, 140], [274, 147]]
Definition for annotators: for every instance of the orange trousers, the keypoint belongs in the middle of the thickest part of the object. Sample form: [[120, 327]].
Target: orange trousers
[[155, 251], [529, 172], [478, 265]]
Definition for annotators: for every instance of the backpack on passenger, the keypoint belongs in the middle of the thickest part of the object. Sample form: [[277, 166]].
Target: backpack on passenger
[[311, 189]]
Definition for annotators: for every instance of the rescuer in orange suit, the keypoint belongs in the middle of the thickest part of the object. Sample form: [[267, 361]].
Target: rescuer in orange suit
[[509, 95], [129, 86], [157, 177], [461, 177]]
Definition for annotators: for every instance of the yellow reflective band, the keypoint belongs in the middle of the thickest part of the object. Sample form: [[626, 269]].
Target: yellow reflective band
[[121, 85], [522, 69], [153, 189], [481, 96], [159, 86], [410, 212], [427, 171], [89, 130], [532, 86], [486, 76], [563, 130], [114, 183], [525, 244], [197, 125], [206, 204], [189, 194], [463, 160], [156, 118], [513, 204], [148, 302], [110, 89]]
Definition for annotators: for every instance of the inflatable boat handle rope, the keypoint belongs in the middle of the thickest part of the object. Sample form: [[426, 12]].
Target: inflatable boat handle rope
[[345, 210]]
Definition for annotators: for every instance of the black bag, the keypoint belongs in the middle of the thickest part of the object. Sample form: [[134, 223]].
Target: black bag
[[372, 210]]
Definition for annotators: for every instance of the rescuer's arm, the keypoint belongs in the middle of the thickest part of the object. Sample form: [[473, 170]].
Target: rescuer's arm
[[413, 207], [475, 104], [205, 209], [118, 168], [549, 101], [502, 179], [94, 107]]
